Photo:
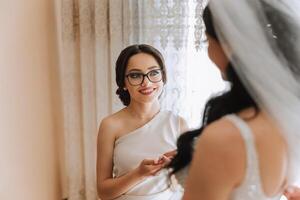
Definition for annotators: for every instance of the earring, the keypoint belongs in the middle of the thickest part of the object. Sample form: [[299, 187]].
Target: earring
[[124, 89]]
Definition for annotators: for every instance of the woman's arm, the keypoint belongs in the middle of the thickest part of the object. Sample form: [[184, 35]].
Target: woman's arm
[[107, 186], [217, 164]]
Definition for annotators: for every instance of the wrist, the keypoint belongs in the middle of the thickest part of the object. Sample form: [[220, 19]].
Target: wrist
[[138, 174]]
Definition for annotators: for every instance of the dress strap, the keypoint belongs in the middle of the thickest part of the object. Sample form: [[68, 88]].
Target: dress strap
[[252, 167]]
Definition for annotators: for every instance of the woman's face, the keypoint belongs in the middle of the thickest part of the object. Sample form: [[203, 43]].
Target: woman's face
[[140, 88], [216, 54]]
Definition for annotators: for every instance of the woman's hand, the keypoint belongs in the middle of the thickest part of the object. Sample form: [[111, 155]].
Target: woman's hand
[[292, 193], [164, 160], [167, 157], [170, 154], [149, 167]]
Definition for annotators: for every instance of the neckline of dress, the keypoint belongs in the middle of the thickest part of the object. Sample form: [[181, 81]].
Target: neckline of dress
[[141, 127]]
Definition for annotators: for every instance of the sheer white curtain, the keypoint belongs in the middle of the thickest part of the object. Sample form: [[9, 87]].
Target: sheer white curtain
[[164, 24], [176, 28], [91, 35]]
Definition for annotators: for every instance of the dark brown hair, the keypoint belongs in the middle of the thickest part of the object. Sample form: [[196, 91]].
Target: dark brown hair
[[122, 62], [234, 100]]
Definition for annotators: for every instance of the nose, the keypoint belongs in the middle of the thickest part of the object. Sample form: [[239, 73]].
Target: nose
[[145, 81]]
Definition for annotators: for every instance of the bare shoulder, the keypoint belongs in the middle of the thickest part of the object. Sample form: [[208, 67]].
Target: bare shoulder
[[222, 131], [110, 124], [217, 165], [222, 147]]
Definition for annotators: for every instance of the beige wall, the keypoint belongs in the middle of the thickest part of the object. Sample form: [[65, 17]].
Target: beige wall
[[28, 98]]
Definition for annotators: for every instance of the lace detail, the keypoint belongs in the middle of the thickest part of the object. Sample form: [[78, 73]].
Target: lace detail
[[161, 21], [199, 24]]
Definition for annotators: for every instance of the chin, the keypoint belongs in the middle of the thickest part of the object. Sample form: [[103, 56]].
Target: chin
[[150, 98]]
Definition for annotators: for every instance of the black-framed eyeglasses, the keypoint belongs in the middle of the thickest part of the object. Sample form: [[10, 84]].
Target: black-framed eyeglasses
[[137, 78]]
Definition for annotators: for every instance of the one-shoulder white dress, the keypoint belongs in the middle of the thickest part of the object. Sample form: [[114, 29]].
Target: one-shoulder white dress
[[150, 141]]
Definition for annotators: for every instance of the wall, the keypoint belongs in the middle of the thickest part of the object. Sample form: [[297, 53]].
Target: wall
[[29, 131]]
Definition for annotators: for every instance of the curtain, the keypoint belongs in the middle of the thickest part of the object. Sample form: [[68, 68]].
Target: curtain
[[91, 38], [164, 24], [91, 35]]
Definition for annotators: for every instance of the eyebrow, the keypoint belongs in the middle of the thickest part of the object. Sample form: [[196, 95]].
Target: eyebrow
[[149, 68]]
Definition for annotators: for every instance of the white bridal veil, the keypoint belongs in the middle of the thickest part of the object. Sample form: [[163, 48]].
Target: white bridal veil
[[262, 38]]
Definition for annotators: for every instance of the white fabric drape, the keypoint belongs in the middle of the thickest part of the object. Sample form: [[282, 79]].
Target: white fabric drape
[[92, 34], [165, 25]]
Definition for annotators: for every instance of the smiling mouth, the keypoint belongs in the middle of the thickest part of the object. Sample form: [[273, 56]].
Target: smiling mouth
[[147, 91]]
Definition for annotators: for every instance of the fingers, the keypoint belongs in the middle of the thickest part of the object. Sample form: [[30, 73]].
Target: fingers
[[153, 166], [164, 160], [161, 160], [149, 167], [170, 154], [154, 169], [149, 162], [166, 157]]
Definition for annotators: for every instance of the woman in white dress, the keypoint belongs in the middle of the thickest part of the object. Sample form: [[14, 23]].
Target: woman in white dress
[[135, 143], [249, 143]]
